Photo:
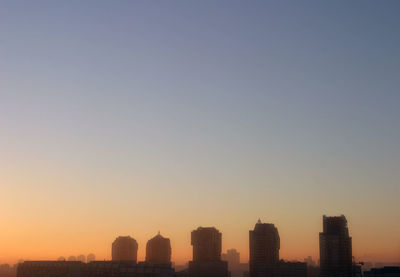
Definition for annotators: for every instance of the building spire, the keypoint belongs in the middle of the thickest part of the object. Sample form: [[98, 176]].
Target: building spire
[[259, 221]]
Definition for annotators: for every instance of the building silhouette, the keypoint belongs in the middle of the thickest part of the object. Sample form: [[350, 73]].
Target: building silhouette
[[232, 257], [158, 250], [387, 271], [81, 258], [93, 269], [289, 269], [264, 254], [335, 247], [236, 269], [90, 257], [207, 244], [264, 248], [309, 261], [124, 248], [7, 271]]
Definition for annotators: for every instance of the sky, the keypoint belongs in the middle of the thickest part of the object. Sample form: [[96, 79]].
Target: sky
[[133, 117]]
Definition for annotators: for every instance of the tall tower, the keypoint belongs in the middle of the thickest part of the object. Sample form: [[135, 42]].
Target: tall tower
[[264, 248], [207, 244], [158, 250], [124, 249], [335, 247]]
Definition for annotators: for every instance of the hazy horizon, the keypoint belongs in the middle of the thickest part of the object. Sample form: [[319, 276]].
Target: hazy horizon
[[133, 117], [365, 257]]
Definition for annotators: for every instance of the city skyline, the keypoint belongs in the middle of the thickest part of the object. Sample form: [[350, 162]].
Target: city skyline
[[130, 117], [125, 247]]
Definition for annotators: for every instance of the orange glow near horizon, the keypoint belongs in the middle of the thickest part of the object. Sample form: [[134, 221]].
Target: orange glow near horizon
[[50, 222], [55, 239]]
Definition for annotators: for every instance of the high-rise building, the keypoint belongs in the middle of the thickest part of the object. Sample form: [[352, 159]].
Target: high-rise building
[[335, 247], [124, 249], [264, 249], [158, 250], [207, 244], [232, 257]]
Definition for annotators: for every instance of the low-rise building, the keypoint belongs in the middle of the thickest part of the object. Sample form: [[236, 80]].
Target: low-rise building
[[387, 271], [93, 269]]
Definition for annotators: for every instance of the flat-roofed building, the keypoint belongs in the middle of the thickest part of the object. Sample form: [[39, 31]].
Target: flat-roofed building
[[207, 244], [93, 269], [124, 248], [335, 248]]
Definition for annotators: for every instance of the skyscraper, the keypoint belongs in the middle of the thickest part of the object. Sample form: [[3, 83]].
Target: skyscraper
[[264, 248], [124, 249], [158, 250], [335, 248], [207, 244]]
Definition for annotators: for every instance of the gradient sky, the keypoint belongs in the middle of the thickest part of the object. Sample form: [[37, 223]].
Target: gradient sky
[[129, 117]]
